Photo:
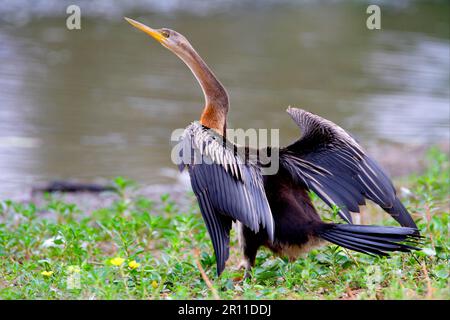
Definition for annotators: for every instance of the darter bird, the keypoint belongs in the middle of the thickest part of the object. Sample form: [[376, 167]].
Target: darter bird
[[275, 210]]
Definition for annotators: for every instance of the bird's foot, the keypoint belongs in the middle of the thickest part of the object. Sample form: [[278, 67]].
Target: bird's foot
[[245, 264]]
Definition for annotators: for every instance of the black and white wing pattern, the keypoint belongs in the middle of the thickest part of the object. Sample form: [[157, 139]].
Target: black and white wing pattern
[[328, 161], [227, 187]]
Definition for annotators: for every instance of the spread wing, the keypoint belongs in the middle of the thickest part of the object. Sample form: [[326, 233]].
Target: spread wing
[[227, 188], [328, 161]]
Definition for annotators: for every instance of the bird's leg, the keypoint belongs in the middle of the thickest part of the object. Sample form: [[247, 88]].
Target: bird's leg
[[249, 243], [248, 261]]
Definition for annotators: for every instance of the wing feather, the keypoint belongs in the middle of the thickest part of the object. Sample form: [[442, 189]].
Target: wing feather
[[227, 188], [328, 161]]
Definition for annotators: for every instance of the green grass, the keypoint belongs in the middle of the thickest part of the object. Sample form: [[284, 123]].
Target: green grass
[[169, 243]]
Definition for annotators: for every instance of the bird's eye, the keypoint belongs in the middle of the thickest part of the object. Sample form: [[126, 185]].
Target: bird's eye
[[165, 33]]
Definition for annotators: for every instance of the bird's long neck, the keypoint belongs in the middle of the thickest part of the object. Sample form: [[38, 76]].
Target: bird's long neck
[[214, 114]]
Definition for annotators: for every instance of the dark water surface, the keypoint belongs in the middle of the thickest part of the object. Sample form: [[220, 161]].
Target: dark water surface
[[103, 101]]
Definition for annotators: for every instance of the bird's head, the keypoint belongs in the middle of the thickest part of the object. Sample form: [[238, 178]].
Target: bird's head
[[170, 39], [216, 97]]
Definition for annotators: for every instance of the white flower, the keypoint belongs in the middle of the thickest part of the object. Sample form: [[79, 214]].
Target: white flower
[[54, 242]]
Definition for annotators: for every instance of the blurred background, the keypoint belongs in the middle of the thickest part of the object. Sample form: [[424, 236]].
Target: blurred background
[[102, 101]]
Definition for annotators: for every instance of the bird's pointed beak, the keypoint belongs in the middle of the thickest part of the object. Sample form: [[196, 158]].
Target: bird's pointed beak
[[152, 32]]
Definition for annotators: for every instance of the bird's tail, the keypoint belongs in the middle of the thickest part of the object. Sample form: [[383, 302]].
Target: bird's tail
[[372, 240]]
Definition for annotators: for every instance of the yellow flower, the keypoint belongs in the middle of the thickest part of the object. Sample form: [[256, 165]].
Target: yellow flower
[[117, 261], [154, 284], [47, 273], [133, 264]]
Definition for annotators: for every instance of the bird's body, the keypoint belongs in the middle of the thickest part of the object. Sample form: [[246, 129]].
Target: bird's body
[[295, 220], [275, 210]]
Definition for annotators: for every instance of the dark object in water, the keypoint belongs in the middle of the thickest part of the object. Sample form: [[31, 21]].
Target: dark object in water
[[73, 187]]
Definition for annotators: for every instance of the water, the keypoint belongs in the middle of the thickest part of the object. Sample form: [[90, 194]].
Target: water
[[103, 101]]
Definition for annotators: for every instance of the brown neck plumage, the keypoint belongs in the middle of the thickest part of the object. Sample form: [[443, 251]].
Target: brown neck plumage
[[214, 114]]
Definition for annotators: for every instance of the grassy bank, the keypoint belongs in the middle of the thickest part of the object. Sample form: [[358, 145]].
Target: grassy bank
[[139, 249]]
